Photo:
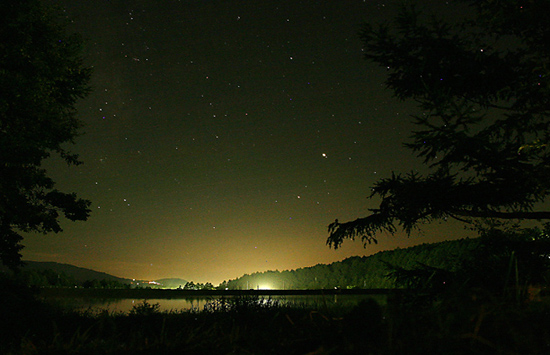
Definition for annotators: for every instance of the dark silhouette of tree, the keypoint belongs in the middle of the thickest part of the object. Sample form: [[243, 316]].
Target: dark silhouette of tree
[[501, 264], [190, 285], [208, 286], [41, 78], [481, 83]]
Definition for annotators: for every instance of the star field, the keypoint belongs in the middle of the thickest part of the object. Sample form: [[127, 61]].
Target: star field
[[222, 137]]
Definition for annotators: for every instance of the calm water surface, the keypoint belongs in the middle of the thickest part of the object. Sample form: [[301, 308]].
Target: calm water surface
[[124, 305]]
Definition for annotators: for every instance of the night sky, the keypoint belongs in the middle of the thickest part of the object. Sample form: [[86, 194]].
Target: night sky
[[222, 137]]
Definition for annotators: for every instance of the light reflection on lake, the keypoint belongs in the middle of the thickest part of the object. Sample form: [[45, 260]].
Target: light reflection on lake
[[124, 305]]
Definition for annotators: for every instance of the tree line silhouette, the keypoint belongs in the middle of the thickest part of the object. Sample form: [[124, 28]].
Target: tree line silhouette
[[496, 261]]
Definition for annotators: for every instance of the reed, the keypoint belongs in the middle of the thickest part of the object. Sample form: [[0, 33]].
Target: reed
[[259, 325]]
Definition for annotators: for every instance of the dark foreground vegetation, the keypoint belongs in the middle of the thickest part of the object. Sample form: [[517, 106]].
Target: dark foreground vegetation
[[471, 323], [491, 303]]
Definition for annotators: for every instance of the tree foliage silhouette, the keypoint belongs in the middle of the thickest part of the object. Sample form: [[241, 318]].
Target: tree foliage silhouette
[[481, 83], [41, 78]]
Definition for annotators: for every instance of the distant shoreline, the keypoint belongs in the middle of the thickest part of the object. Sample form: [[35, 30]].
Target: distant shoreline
[[175, 293]]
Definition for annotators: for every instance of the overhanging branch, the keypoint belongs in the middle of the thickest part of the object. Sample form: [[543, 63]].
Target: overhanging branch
[[538, 215]]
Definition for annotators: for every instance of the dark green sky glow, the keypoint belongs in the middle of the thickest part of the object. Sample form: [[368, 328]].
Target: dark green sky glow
[[222, 137]]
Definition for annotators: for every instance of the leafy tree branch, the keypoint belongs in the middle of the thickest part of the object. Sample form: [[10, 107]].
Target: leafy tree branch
[[481, 84]]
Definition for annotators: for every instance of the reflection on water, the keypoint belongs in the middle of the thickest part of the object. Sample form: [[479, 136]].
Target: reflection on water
[[124, 305]]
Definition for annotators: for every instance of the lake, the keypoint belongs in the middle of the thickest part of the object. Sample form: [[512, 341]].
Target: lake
[[96, 300]]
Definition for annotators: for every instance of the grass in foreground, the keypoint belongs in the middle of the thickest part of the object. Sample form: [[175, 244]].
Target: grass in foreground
[[253, 325]]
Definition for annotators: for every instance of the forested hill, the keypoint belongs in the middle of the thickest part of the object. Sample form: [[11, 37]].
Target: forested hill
[[358, 272], [52, 274], [78, 273]]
